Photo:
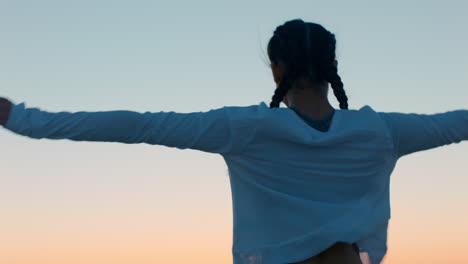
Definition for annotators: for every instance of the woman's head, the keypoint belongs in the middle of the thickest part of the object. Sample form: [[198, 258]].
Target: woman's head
[[305, 52]]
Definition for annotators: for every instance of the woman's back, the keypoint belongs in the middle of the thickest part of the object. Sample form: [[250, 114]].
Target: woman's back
[[291, 179]]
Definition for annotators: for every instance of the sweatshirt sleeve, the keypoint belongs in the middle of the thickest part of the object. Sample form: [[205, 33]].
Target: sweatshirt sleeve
[[223, 130], [416, 132]]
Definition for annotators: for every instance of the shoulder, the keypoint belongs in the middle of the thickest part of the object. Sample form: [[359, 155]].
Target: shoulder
[[252, 110], [366, 116], [366, 111]]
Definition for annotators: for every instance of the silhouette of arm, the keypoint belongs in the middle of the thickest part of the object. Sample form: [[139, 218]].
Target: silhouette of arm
[[223, 130], [416, 132]]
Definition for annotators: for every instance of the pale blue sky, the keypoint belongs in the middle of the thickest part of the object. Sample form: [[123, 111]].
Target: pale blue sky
[[194, 55], [405, 56]]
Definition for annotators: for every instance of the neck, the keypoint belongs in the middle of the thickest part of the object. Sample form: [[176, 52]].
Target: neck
[[312, 103]]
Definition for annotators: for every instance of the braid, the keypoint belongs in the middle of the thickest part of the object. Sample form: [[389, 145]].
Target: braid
[[291, 57], [281, 91], [334, 79]]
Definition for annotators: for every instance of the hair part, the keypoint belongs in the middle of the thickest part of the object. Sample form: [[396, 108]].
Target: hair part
[[305, 50]]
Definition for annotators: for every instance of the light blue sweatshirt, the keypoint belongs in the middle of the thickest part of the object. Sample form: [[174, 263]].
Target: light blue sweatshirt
[[295, 190]]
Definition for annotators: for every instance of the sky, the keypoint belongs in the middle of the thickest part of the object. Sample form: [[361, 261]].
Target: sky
[[88, 202]]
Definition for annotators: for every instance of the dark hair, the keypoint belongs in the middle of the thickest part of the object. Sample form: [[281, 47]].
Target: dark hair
[[305, 50]]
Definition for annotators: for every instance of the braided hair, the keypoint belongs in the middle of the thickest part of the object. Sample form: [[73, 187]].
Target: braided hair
[[305, 50]]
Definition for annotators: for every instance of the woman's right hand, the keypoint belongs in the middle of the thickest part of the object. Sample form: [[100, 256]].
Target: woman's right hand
[[5, 108]]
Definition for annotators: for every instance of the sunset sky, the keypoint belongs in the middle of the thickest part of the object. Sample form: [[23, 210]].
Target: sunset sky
[[86, 202]]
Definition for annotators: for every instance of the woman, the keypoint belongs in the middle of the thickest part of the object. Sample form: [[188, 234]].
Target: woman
[[310, 183]]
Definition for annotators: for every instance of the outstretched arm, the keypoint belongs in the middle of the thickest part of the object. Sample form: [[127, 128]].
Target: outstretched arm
[[417, 132], [223, 130]]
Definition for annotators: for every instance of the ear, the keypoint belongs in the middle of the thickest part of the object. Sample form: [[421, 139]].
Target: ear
[[336, 63], [277, 72]]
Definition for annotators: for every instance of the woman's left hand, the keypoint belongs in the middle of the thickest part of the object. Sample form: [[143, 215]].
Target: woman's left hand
[[5, 108]]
